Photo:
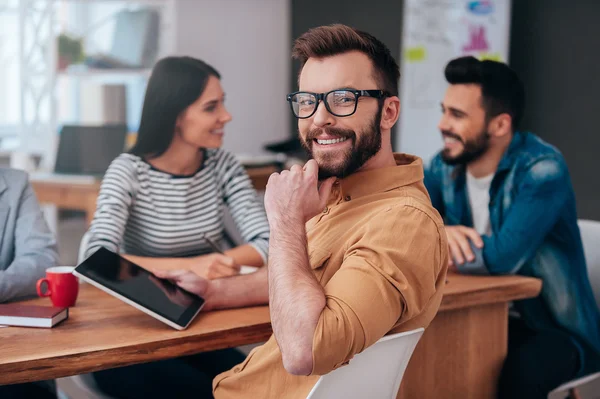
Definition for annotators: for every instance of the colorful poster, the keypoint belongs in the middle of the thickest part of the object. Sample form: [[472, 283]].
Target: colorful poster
[[436, 31]]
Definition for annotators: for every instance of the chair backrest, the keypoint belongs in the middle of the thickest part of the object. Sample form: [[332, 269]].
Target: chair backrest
[[590, 235], [374, 373]]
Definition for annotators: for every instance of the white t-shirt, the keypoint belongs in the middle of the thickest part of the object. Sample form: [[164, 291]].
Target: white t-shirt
[[479, 199]]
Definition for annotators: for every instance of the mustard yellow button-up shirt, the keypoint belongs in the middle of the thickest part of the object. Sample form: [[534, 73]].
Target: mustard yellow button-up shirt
[[379, 250]]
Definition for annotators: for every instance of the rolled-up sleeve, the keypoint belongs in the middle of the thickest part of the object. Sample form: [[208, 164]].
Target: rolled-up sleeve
[[389, 275]]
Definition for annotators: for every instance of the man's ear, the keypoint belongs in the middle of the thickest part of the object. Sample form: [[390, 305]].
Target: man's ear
[[500, 125], [390, 112]]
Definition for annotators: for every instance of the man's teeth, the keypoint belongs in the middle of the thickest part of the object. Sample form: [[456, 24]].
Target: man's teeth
[[217, 131], [450, 140], [332, 141]]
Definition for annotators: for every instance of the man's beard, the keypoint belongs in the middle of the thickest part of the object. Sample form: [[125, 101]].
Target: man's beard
[[472, 149], [355, 157]]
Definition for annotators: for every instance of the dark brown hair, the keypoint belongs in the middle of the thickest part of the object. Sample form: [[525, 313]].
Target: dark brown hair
[[502, 91], [175, 84], [326, 41]]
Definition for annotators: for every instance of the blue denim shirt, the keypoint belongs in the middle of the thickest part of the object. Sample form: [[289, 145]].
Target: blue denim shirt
[[534, 233]]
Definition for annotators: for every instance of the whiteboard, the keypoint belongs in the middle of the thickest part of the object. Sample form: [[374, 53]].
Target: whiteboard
[[434, 32]]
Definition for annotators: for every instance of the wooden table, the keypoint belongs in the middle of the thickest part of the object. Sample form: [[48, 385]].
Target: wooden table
[[65, 193], [80, 192], [102, 332], [459, 355]]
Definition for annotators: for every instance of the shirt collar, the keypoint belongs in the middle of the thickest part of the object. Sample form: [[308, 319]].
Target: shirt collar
[[408, 170], [458, 172], [508, 159]]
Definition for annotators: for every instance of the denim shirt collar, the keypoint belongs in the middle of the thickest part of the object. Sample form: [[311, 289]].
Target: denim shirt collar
[[463, 213], [509, 158]]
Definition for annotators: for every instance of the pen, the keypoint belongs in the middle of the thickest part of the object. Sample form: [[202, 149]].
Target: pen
[[214, 246]]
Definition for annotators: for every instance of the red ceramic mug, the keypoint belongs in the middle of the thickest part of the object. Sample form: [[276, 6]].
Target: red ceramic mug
[[61, 286]]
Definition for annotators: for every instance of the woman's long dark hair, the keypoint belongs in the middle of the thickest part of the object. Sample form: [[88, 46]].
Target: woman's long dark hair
[[175, 83]]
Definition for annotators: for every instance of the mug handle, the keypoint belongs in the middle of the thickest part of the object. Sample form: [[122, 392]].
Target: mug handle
[[39, 287]]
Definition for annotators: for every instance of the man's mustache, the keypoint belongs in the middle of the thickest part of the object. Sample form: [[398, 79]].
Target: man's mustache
[[446, 133], [330, 131]]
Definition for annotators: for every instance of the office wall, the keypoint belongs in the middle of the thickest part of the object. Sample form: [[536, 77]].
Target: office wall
[[248, 41], [554, 47]]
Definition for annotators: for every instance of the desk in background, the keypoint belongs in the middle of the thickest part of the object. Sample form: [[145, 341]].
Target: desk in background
[[462, 351], [80, 192], [459, 356]]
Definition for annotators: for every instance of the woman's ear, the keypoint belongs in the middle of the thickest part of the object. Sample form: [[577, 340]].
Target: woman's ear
[[179, 121]]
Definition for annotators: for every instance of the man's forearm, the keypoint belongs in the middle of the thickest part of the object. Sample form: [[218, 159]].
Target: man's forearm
[[240, 291], [296, 298]]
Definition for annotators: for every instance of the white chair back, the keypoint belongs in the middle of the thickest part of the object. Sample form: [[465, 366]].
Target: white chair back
[[374, 373], [590, 235]]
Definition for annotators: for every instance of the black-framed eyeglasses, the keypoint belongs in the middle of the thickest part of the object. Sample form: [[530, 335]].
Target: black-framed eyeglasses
[[341, 102]]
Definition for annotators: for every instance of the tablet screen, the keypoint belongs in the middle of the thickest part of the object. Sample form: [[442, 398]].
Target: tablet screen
[[140, 286]]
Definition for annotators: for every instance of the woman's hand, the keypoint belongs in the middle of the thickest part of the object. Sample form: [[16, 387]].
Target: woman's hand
[[213, 266]]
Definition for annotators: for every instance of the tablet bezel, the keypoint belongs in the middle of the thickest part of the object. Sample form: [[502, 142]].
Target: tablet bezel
[[180, 324]]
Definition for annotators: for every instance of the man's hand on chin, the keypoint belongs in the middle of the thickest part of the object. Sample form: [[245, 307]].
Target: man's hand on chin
[[295, 196]]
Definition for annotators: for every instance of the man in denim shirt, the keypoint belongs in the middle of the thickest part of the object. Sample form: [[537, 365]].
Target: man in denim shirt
[[509, 208]]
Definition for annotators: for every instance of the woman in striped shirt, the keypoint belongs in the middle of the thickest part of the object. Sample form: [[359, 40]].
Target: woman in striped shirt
[[160, 202]]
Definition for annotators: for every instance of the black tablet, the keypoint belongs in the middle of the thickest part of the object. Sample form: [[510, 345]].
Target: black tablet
[[139, 288]]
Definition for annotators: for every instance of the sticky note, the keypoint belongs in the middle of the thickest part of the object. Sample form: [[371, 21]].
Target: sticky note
[[491, 57], [415, 54]]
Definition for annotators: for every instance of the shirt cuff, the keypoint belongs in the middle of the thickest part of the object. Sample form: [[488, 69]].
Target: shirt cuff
[[260, 251]]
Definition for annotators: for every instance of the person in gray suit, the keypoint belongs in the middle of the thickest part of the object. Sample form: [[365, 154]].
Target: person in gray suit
[[27, 249]]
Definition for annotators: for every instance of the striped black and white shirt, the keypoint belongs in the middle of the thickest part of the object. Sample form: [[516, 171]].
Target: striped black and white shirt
[[147, 212]]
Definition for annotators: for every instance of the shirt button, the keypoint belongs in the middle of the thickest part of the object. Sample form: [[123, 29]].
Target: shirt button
[[348, 198]]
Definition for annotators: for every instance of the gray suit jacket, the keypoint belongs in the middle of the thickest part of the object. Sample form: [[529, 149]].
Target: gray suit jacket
[[27, 247]]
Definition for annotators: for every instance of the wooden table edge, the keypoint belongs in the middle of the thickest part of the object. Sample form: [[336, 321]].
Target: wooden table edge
[[522, 289], [60, 366]]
